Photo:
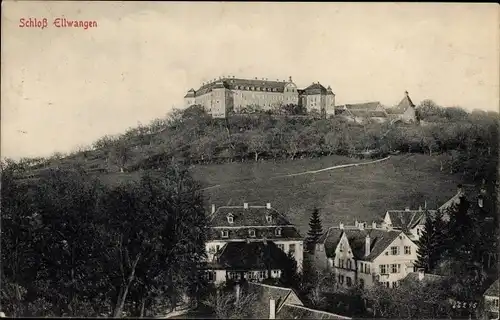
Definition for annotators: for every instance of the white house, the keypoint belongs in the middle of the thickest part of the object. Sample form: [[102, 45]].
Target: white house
[[491, 298], [363, 254], [251, 230]]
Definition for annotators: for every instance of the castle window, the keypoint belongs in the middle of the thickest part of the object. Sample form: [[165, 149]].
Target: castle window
[[251, 233], [225, 234], [277, 232], [230, 218]]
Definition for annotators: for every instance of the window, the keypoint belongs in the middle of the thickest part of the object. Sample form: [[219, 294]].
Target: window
[[348, 281], [349, 264], [495, 302], [395, 268], [211, 276], [281, 246], [225, 233], [341, 247], [251, 233], [217, 248], [361, 267], [292, 248], [394, 251], [387, 284], [341, 263], [341, 279], [277, 231], [383, 269], [262, 274], [367, 267], [407, 250], [269, 219], [230, 218]]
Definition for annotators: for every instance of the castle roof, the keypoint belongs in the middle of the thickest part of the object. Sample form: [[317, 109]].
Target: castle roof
[[243, 84], [315, 88], [190, 94]]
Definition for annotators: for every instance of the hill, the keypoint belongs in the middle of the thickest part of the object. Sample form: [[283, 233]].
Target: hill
[[363, 192]]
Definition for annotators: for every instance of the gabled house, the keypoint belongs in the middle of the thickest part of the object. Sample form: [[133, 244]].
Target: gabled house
[[247, 224], [491, 298], [412, 222], [275, 302], [363, 255], [404, 111]]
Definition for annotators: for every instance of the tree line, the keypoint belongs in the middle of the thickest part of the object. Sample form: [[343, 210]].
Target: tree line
[[72, 246]]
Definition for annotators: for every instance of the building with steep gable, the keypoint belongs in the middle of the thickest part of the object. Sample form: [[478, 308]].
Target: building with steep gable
[[250, 242], [230, 94], [364, 255], [361, 112], [404, 111]]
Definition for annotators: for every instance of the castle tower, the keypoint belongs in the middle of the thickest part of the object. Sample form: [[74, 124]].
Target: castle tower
[[190, 98], [330, 102]]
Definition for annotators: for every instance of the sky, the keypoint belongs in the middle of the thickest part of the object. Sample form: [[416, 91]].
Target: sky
[[66, 87]]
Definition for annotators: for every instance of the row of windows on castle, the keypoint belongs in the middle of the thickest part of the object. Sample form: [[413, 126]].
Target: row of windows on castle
[[252, 88]]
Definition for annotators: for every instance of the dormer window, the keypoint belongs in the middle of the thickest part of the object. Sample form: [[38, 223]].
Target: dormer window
[[251, 233], [225, 234], [269, 218], [341, 247], [230, 218], [277, 232]]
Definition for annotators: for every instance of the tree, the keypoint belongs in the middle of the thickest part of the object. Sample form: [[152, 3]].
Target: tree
[[227, 306], [315, 230], [431, 242]]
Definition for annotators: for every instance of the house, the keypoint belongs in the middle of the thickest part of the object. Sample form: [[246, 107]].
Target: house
[[249, 260], [362, 112], [283, 303], [363, 255], [246, 224], [404, 111], [423, 277], [491, 297]]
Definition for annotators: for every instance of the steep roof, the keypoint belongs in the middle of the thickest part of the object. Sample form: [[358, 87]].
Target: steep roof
[[190, 94], [368, 113], [380, 239], [315, 88], [493, 290], [290, 311], [242, 255], [407, 219], [266, 292], [251, 216], [403, 105]]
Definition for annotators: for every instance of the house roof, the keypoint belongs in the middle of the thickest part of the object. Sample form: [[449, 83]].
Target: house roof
[[493, 290], [380, 239], [266, 292], [255, 217], [190, 94], [269, 233], [368, 113], [428, 277], [242, 255], [290, 311], [407, 219]]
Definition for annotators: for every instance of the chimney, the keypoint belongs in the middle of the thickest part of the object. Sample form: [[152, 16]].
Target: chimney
[[268, 205], [213, 208], [419, 208], [480, 202], [245, 205], [406, 93], [361, 225], [374, 225], [407, 209], [272, 309], [356, 223], [290, 78], [367, 245], [341, 226], [425, 204], [237, 289], [421, 274]]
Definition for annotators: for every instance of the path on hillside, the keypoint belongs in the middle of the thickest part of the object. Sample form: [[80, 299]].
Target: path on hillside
[[316, 171]]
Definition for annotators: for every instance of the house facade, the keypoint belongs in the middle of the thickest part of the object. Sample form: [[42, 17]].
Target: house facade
[[258, 236], [366, 254], [230, 94], [491, 301]]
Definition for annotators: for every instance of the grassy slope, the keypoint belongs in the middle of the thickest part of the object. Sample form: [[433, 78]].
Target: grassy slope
[[346, 194]]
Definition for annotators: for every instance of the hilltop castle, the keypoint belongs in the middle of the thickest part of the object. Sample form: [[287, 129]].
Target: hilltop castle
[[230, 94], [226, 94]]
